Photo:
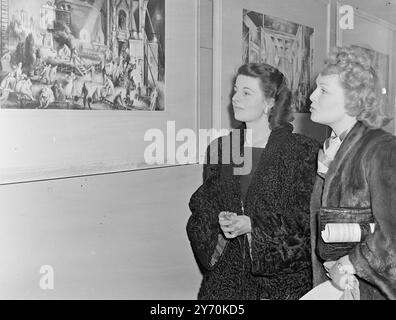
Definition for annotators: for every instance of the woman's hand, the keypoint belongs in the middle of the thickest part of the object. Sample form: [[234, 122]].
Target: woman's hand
[[233, 225], [339, 271]]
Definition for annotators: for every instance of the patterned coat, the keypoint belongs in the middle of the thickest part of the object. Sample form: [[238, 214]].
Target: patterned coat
[[276, 264], [363, 176]]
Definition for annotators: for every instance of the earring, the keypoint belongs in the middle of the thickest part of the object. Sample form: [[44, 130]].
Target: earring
[[267, 109], [268, 106]]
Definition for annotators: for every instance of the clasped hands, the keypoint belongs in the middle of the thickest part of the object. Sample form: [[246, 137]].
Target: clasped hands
[[340, 271], [233, 225]]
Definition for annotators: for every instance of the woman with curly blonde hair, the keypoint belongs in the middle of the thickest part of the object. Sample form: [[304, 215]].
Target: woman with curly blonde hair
[[356, 181]]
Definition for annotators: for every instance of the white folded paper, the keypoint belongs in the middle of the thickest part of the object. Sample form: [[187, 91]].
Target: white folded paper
[[324, 291], [343, 232]]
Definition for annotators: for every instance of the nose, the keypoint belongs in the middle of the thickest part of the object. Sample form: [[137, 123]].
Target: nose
[[235, 97], [313, 95]]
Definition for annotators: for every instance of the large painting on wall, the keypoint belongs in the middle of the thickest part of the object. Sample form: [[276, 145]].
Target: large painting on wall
[[83, 54], [285, 45]]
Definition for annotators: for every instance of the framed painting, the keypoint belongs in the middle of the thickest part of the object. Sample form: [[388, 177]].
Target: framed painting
[[285, 45], [85, 85], [83, 55]]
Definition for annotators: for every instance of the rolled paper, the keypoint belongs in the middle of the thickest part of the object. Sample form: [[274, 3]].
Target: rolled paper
[[346, 232]]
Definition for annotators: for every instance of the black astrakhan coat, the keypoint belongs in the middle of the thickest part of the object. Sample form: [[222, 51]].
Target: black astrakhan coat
[[362, 176], [276, 264]]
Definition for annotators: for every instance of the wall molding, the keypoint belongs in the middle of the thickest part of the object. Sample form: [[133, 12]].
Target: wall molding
[[217, 63]]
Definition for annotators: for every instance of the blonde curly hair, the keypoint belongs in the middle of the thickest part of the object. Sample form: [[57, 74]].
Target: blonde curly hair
[[364, 99]]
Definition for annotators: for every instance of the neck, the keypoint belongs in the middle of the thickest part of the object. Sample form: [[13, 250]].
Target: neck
[[343, 125], [260, 131]]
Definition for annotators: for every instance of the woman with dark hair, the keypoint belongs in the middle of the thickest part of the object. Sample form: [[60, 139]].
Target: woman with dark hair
[[356, 180], [250, 230]]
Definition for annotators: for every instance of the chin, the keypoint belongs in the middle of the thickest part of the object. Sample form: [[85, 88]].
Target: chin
[[242, 119], [315, 118], [239, 117], [246, 116]]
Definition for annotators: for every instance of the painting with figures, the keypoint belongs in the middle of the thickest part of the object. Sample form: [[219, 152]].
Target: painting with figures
[[285, 45], [82, 54]]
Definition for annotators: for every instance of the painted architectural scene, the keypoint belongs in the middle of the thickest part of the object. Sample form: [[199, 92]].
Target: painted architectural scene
[[82, 54], [285, 45]]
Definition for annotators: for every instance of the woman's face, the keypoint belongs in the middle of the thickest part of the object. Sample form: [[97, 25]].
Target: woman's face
[[248, 101], [328, 101]]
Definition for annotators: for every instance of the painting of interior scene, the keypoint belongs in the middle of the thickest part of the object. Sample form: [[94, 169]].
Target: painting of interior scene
[[285, 45], [82, 54]]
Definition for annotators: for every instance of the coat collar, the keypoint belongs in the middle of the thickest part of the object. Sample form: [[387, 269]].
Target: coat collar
[[276, 139], [277, 133], [354, 135]]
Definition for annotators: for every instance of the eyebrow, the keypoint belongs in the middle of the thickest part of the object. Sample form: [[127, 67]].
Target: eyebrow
[[246, 88], [322, 84]]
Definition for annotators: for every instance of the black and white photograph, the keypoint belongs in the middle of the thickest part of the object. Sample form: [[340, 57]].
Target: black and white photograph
[[197, 155]]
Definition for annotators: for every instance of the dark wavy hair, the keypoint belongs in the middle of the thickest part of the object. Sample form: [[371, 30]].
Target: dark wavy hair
[[274, 86], [364, 99]]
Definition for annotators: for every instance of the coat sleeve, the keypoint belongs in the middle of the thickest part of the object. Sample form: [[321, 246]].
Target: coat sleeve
[[281, 238], [374, 258], [318, 272], [204, 233]]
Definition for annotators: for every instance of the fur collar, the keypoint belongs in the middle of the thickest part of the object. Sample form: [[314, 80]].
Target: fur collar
[[353, 137]]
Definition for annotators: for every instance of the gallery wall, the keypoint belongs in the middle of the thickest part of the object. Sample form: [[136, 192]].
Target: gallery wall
[[117, 236]]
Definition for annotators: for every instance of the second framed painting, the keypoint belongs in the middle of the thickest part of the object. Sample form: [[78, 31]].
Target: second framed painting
[[283, 44]]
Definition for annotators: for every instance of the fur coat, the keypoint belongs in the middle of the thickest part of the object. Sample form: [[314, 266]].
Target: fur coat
[[275, 262], [362, 176]]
